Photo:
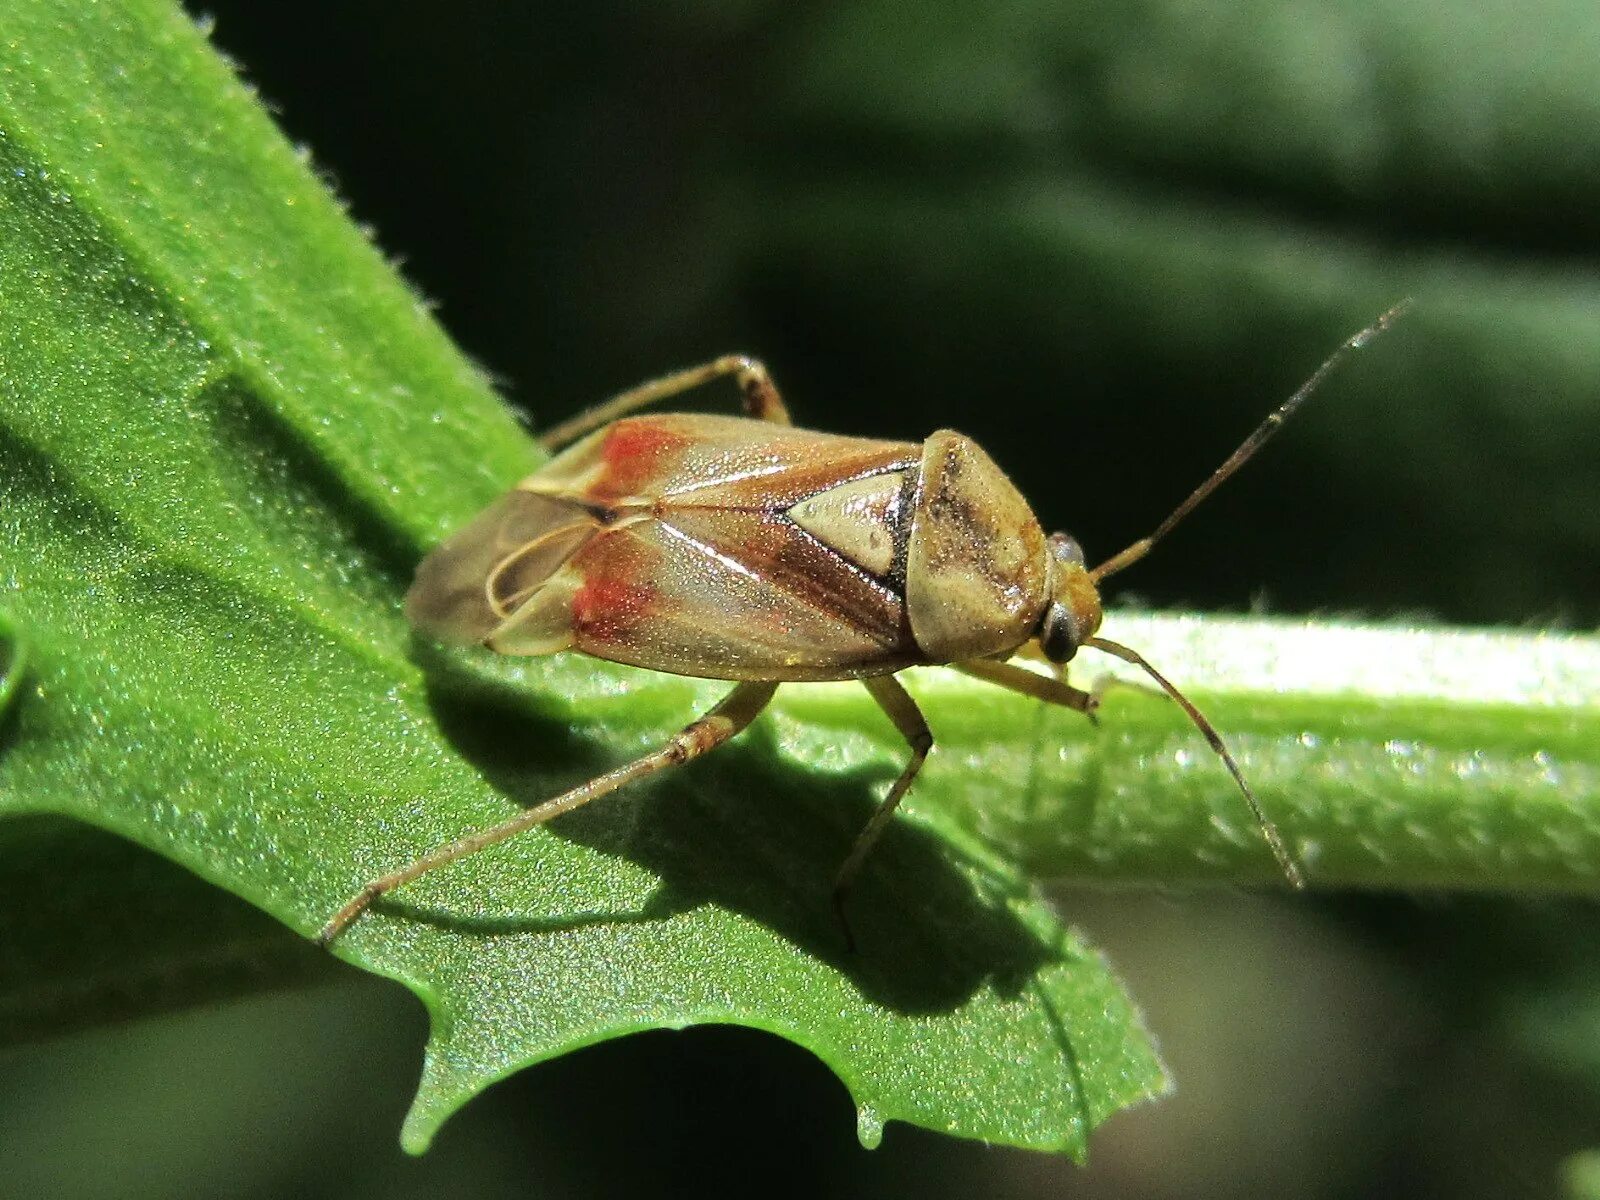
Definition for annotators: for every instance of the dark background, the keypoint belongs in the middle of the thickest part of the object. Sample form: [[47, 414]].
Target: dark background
[[1103, 240]]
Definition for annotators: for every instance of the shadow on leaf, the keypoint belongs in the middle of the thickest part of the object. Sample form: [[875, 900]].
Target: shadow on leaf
[[747, 832]]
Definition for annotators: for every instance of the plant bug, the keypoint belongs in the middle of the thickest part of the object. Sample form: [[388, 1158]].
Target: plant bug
[[745, 549]]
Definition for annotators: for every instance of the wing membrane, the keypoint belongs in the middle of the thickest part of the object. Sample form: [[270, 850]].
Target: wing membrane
[[470, 583]]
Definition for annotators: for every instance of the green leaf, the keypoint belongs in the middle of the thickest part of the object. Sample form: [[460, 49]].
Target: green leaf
[[228, 431]]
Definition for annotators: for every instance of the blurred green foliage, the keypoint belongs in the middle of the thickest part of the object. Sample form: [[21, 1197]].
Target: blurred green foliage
[[1101, 239]]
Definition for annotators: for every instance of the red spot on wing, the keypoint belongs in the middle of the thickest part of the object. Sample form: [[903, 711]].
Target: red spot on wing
[[605, 608], [633, 452], [627, 441]]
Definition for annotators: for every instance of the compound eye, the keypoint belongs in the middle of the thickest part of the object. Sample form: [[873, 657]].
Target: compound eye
[[1065, 549], [1060, 636]]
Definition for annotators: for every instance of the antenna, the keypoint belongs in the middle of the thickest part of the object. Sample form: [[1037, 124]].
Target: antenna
[[1280, 851], [1263, 433]]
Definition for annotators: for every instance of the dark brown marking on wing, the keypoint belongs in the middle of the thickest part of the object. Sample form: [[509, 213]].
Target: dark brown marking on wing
[[904, 508], [814, 576]]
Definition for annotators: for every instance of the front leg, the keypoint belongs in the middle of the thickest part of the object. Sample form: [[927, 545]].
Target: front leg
[[1050, 688], [761, 397]]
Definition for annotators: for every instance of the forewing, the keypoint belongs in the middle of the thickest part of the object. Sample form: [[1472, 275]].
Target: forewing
[[731, 594], [667, 546], [710, 461]]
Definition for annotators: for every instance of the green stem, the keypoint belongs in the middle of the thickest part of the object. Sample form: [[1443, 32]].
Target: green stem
[[1390, 756]]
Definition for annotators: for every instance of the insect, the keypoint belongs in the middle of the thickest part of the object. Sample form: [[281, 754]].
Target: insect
[[745, 549]]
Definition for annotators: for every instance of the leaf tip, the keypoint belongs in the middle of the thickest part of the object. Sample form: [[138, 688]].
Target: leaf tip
[[416, 1136], [869, 1126]]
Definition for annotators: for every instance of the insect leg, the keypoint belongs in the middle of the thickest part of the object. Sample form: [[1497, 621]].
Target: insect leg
[[737, 710], [761, 397], [1049, 688], [908, 719]]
